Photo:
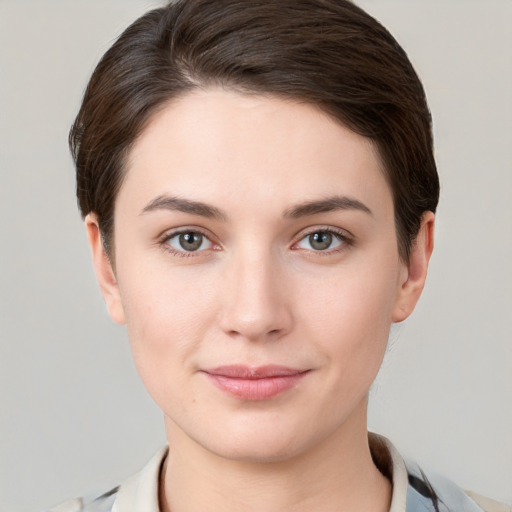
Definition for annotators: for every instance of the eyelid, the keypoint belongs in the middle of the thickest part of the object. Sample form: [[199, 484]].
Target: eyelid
[[343, 235], [163, 239]]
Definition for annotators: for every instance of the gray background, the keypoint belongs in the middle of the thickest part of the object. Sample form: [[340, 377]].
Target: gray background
[[74, 417]]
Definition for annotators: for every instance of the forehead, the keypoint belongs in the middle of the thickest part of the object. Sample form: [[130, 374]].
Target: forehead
[[215, 143]]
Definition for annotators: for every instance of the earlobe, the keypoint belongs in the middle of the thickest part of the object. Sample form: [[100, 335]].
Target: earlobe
[[416, 270], [104, 271]]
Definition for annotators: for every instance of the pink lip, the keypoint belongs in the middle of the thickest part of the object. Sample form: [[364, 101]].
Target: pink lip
[[259, 383]]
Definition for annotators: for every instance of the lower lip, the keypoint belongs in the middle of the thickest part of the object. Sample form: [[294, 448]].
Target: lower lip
[[256, 389]]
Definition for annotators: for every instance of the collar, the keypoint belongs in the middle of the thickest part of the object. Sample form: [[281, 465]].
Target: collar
[[140, 492], [391, 465], [413, 490]]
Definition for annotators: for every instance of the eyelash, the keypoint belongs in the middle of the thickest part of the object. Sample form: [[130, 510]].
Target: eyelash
[[165, 239], [342, 236]]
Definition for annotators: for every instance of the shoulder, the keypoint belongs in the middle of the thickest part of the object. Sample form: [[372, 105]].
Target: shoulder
[[487, 504], [442, 495], [415, 489], [74, 505], [428, 489], [102, 503], [139, 492]]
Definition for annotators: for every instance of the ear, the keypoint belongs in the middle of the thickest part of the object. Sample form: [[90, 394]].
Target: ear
[[415, 271], [104, 271]]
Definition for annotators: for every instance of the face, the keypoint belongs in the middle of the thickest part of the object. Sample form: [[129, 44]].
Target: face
[[257, 270]]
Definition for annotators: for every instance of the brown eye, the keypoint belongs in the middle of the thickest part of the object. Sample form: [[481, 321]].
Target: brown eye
[[321, 241], [189, 241]]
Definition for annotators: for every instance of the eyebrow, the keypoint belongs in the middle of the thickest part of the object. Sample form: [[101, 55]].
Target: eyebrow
[[183, 205], [329, 204]]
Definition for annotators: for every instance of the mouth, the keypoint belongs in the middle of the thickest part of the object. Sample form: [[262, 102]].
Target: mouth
[[254, 383]]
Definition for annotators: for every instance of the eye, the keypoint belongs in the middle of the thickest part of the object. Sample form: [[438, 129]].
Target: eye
[[188, 241], [323, 240]]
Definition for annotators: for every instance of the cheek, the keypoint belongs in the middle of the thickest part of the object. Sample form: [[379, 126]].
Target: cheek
[[167, 314], [350, 320], [163, 300], [357, 299]]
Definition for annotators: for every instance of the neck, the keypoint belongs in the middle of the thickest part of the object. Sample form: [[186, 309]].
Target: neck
[[336, 475]]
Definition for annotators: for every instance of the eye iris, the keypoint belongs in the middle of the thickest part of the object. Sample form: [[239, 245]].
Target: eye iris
[[321, 240], [191, 241]]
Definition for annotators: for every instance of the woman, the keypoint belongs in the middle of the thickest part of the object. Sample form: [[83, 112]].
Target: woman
[[259, 189]]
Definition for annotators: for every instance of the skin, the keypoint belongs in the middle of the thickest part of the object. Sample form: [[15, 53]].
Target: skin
[[258, 292]]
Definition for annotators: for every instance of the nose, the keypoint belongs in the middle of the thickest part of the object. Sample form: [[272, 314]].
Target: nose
[[255, 303]]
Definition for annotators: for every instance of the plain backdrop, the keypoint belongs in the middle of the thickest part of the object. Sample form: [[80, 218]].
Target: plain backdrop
[[74, 417]]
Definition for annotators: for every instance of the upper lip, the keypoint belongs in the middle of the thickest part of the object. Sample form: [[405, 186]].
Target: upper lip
[[253, 372]]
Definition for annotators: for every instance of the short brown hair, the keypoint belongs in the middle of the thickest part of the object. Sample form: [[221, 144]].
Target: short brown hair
[[329, 53]]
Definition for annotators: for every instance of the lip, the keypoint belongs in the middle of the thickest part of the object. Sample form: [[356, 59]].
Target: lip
[[254, 383]]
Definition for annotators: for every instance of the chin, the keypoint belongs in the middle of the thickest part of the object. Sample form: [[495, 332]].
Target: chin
[[260, 439], [258, 449]]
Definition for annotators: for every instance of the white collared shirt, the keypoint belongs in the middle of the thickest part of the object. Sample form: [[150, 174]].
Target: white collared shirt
[[412, 491]]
